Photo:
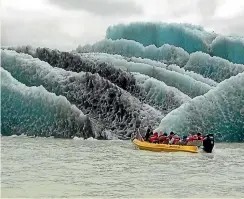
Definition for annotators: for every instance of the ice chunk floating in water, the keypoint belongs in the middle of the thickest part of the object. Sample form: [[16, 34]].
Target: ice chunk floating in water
[[35, 111], [220, 111]]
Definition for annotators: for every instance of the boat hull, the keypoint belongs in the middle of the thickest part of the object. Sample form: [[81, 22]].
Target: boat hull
[[164, 147]]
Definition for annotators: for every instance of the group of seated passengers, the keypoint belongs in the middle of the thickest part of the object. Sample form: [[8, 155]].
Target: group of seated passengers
[[172, 138]]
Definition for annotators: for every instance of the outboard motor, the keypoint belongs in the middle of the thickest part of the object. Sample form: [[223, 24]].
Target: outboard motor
[[208, 143]]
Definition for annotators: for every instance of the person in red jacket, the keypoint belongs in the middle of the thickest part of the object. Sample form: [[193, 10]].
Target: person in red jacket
[[200, 137], [194, 137], [176, 139], [162, 138], [189, 138], [154, 138]]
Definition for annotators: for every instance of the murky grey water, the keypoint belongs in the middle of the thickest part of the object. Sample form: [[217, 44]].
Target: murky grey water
[[45, 167]]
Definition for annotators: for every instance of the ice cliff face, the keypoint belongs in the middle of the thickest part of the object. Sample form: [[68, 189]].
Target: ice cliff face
[[147, 73], [103, 101]]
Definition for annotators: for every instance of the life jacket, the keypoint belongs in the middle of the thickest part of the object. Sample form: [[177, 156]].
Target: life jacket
[[156, 134], [189, 138], [153, 137], [176, 139], [194, 138], [200, 138], [162, 138], [166, 141]]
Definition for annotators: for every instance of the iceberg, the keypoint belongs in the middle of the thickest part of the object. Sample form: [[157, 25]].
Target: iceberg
[[114, 109], [175, 77], [35, 111], [166, 53], [220, 111]]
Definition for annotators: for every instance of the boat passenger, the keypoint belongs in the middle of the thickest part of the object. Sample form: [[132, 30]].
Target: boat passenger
[[189, 139], [171, 137], [200, 137], [162, 138], [183, 140], [194, 137], [154, 138], [148, 133], [176, 139], [166, 140]]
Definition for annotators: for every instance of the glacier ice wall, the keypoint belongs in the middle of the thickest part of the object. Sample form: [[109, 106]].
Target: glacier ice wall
[[184, 83], [220, 111], [166, 53], [33, 110], [114, 109], [214, 68], [229, 48], [190, 38], [133, 86]]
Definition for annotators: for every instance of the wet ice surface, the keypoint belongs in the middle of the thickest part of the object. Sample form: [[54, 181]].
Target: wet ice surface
[[45, 167]]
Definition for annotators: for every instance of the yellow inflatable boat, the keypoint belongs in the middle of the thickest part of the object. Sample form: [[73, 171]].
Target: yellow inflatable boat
[[142, 145]]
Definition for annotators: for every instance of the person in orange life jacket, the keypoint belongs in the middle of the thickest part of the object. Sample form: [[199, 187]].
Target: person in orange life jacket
[[194, 137], [176, 139], [153, 138], [189, 138], [200, 137], [162, 138]]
